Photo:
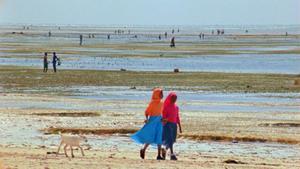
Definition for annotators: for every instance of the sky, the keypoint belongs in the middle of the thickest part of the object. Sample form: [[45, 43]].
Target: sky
[[150, 12]]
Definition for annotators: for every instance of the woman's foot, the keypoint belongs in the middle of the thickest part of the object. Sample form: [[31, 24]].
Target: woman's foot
[[142, 153], [163, 153], [159, 158], [173, 157]]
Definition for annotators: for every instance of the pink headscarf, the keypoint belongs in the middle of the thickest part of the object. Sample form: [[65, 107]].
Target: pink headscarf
[[168, 102]]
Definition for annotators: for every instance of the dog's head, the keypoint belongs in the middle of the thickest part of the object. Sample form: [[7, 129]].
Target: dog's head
[[83, 138]]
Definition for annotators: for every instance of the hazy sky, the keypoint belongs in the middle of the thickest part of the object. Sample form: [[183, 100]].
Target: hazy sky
[[149, 12]]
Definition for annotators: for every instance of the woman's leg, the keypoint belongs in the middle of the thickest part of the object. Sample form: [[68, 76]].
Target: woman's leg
[[171, 149], [161, 153], [173, 138], [145, 147], [143, 151], [158, 150], [173, 156]]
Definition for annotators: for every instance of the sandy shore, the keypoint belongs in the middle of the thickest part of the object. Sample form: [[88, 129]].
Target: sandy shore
[[24, 158]]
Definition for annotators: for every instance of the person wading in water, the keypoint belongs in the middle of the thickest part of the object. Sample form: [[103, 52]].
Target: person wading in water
[[45, 62], [172, 45], [54, 60]]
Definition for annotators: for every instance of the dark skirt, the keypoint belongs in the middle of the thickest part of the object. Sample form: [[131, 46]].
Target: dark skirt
[[169, 134]]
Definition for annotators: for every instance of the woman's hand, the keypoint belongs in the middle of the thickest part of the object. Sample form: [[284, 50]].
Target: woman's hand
[[146, 118], [164, 120], [179, 125]]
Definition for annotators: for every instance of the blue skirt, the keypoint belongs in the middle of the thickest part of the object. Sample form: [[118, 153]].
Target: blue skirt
[[151, 133], [169, 134]]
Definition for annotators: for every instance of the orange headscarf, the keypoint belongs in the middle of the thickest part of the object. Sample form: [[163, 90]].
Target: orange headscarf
[[156, 105]]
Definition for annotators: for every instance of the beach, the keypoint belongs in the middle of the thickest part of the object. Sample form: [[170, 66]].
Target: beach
[[209, 139], [238, 97]]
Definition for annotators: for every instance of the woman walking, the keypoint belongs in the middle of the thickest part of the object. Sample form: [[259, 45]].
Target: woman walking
[[151, 133], [170, 121]]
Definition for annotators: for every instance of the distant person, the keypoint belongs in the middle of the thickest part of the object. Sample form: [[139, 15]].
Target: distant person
[[172, 45], [90, 36], [45, 62], [108, 36], [58, 61], [246, 31], [54, 61], [218, 31], [159, 37], [80, 40], [203, 35], [200, 35], [151, 133], [173, 31], [171, 119], [178, 30], [93, 35], [166, 35], [222, 32], [49, 33], [212, 32]]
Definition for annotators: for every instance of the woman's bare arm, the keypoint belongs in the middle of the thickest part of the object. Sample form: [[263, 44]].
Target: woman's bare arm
[[180, 129]]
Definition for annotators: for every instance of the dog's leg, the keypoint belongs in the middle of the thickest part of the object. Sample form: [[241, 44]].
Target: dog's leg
[[59, 148], [81, 150], [65, 149], [72, 152]]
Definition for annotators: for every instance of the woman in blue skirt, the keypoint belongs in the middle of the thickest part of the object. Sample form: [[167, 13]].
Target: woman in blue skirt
[[151, 132]]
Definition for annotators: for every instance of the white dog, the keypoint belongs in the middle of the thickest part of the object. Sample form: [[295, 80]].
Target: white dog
[[72, 141]]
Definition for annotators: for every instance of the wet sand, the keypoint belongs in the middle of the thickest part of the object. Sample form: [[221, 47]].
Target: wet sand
[[206, 141], [19, 78], [113, 117]]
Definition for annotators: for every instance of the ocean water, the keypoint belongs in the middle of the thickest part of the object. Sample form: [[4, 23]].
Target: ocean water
[[246, 59], [244, 63]]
